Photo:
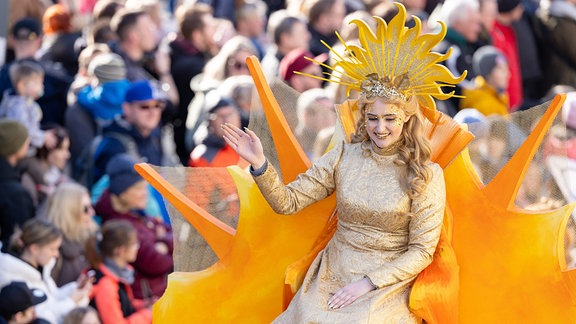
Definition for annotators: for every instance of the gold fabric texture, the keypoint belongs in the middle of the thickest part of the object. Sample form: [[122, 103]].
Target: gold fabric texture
[[381, 233]]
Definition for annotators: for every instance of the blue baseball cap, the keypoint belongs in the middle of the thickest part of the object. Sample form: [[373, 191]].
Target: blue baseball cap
[[140, 91]]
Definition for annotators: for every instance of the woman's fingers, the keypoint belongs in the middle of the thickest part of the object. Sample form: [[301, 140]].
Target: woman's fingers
[[233, 129]]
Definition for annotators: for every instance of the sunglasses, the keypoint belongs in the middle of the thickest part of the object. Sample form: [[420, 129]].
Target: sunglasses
[[147, 107], [237, 65]]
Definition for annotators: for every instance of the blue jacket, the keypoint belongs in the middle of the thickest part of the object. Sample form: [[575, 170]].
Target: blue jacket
[[105, 101]]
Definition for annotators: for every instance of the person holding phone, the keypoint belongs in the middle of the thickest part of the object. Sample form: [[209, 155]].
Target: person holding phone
[[110, 253], [33, 253]]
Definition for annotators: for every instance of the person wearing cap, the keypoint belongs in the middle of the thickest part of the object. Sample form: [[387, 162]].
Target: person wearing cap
[[26, 35], [137, 132], [17, 303], [489, 93], [125, 199], [295, 61], [213, 151], [97, 103], [16, 205]]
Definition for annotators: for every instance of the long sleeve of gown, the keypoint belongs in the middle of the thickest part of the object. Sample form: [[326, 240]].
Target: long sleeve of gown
[[315, 184], [424, 232]]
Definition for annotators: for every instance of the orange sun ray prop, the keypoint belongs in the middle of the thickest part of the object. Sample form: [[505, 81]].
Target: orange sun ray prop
[[494, 263]]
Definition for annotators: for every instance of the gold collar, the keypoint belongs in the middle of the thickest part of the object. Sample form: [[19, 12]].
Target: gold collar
[[385, 151]]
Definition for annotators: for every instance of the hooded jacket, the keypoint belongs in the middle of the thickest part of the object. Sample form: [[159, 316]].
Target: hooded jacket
[[104, 102]]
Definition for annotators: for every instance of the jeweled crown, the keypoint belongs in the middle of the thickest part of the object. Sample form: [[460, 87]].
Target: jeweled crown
[[393, 61]]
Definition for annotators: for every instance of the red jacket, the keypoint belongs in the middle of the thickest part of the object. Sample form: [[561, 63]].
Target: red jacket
[[152, 267], [504, 38], [214, 152], [113, 299]]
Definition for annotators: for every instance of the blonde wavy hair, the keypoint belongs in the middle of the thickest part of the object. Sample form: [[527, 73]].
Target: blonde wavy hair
[[65, 210], [414, 154]]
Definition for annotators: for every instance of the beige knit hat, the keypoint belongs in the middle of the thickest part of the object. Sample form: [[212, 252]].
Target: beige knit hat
[[13, 135], [107, 67]]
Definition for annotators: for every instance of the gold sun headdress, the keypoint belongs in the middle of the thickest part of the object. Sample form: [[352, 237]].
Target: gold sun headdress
[[395, 61]]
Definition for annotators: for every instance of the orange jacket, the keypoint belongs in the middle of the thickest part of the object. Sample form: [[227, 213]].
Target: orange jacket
[[107, 299]]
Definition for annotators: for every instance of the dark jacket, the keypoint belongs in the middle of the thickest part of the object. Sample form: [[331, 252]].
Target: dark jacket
[[556, 38], [316, 38], [63, 48], [457, 63], [152, 268], [186, 62], [16, 205], [149, 148]]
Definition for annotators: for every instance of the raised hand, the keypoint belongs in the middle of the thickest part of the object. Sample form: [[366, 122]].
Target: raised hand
[[245, 143]]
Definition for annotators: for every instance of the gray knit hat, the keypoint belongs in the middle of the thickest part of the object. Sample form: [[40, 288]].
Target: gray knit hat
[[107, 67], [485, 60], [13, 135]]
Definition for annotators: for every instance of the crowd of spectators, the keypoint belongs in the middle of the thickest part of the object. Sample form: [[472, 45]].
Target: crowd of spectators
[[91, 87]]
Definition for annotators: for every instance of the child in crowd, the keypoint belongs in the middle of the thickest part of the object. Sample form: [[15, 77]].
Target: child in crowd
[[125, 199], [34, 252], [110, 253], [490, 91], [27, 78], [17, 303]]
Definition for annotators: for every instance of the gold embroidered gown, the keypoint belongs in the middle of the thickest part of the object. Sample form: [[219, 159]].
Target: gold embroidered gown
[[376, 236]]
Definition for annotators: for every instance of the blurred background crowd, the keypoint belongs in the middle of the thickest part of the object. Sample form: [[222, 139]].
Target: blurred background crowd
[[88, 88]]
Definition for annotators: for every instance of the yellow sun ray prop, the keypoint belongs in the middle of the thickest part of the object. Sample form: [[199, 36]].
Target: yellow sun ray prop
[[398, 55]]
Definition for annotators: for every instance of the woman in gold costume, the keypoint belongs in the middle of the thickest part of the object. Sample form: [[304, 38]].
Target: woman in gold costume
[[390, 196]]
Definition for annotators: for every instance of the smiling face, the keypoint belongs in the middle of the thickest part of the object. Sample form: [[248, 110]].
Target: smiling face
[[384, 122]]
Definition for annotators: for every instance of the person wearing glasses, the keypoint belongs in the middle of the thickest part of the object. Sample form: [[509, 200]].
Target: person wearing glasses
[[137, 132], [70, 209]]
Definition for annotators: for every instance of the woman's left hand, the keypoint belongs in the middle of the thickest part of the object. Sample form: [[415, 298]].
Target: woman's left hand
[[349, 293]]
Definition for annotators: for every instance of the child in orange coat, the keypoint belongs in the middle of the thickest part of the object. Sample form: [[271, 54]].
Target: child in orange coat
[[109, 254]]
